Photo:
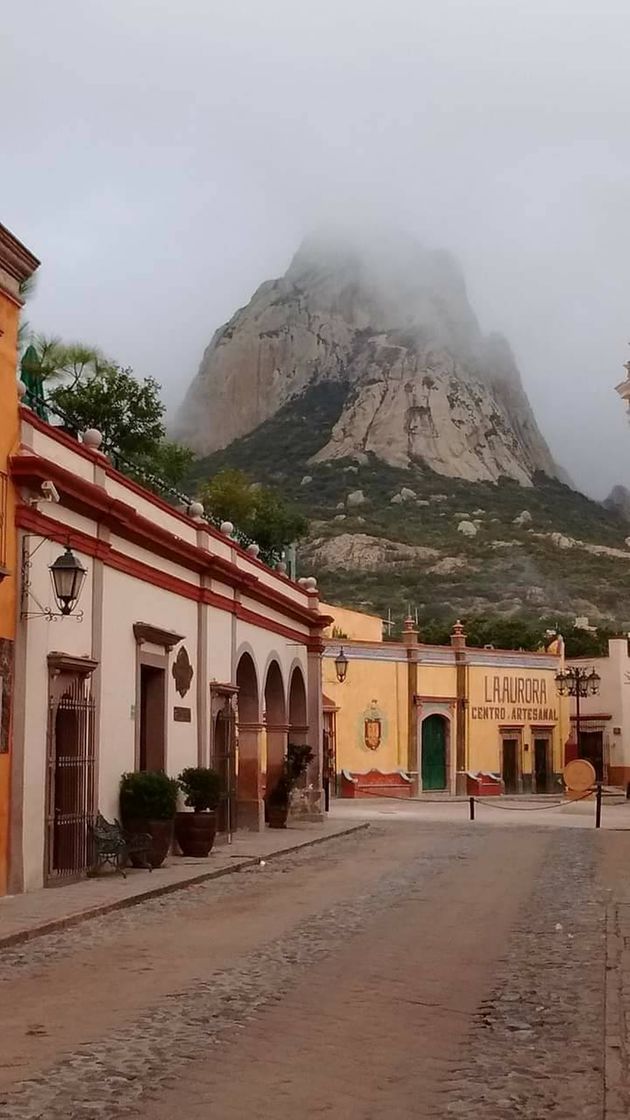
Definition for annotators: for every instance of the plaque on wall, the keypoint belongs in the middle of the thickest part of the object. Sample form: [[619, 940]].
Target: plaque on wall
[[182, 715]]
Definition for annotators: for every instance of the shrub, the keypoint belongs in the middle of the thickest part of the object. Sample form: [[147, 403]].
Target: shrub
[[148, 795], [202, 788]]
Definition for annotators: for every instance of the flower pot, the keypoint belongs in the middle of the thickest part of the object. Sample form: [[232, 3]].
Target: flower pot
[[277, 816], [161, 833], [195, 833]]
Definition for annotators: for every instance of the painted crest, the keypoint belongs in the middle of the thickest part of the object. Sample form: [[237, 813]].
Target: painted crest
[[182, 672], [373, 732]]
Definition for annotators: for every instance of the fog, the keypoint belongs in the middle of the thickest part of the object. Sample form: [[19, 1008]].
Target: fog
[[163, 159]]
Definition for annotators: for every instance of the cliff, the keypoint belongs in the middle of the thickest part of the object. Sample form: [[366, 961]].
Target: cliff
[[389, 327]]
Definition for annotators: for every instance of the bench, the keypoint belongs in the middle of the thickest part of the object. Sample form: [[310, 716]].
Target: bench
[[375, 783], [113, 845]]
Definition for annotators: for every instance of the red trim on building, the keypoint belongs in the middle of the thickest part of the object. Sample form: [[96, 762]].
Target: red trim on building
[[90, 500], [96, 457], [32, 521]]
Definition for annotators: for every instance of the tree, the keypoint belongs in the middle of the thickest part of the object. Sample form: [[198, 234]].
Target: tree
[[128, 413], [89, 390], [258, 512]]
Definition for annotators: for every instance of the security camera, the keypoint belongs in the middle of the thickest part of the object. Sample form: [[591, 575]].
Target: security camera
[[50, 492]]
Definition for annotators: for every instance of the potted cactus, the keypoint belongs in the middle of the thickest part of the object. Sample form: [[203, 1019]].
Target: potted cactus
[[195, 831], [148, 802]]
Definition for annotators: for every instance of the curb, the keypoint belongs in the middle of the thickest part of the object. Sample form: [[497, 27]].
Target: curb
[[56, 924]]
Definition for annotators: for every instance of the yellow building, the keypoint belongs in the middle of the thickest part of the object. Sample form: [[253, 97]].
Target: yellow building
[[16, 265], [436, 714]]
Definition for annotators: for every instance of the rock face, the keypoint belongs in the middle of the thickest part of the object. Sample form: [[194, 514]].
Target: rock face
[[619, 501], [392, 324]]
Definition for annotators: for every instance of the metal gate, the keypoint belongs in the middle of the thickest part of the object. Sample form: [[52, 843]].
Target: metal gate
[[225, 763], [70, 777]]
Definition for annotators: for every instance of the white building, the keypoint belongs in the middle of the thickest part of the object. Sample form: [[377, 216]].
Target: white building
[[605, 717], [187, 651]]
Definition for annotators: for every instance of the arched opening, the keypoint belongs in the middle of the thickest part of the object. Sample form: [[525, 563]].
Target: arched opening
[[298, 721], [275, 725], [249, 783], [434, 753]]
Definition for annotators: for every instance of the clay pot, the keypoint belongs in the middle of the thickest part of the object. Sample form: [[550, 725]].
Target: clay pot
[[277, 816], [195, 833], [161, 833]]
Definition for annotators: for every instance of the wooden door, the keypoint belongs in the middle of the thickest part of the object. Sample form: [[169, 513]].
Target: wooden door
[[510, 769], [434, 753], [542, 774]]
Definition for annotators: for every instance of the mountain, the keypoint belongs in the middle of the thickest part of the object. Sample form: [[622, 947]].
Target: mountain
[[619, 501], [361, 386], [389, 324]]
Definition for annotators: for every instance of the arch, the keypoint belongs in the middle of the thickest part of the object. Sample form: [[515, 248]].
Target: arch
[[247, 684], [276, 727], [298, 718], [249, 782], [434, 764]]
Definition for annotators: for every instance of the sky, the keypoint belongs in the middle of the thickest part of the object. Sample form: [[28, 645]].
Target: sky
[[162, 159]]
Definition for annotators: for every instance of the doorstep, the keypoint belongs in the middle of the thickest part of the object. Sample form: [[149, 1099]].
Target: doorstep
[[46, 910]]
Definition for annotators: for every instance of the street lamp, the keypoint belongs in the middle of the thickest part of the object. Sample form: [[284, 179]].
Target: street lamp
[[341, 666], [579, 683], [68, 576]]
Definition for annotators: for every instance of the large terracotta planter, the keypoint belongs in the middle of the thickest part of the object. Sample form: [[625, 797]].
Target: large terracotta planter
[[277, 816], [161, 833], [195, 833]]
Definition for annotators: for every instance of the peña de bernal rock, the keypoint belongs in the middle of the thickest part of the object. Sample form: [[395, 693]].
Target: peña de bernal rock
[[361, 386], [389, 322]]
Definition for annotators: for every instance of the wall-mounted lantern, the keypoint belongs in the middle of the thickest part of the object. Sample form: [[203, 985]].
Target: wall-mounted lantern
[[341, 666], [67, 575]]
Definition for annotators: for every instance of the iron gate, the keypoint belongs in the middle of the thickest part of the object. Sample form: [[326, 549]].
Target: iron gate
[[70, 778]]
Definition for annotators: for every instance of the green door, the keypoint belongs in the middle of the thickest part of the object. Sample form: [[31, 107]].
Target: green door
[[434, 753]]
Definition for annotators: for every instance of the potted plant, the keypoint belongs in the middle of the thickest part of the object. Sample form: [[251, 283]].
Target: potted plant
[[203, 790], [148, 802], [278, 799]]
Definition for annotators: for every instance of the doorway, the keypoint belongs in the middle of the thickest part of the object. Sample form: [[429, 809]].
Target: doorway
[[70, 777], [592, 748], [510, 769], [152, 736], [434, 753], [542, 769], [225, 764]]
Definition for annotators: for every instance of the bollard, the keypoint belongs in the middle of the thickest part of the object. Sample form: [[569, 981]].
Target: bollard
[[472, 808], [598, 806]]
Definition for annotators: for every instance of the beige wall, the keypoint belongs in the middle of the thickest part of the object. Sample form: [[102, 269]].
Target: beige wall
[[353, 624]]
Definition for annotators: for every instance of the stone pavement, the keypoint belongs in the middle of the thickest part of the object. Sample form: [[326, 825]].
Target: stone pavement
[[416, 969], [44, 911]]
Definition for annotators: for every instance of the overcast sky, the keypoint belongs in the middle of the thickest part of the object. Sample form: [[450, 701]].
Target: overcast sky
[[163, 158]]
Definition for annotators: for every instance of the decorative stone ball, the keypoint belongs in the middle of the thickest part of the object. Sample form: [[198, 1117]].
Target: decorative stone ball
[[311, 584], [302, 582], [196, 510], [21, 390], [281, 568], [92, 438], [253, 549], [227, 528]]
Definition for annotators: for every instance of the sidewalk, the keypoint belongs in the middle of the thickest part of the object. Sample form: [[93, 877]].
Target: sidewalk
[[25, 916]]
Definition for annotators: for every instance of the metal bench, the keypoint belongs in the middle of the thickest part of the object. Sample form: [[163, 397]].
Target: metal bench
[[114, 845]]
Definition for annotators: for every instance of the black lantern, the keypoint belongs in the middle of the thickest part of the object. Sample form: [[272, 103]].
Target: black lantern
[[68, 576], [341, 666]]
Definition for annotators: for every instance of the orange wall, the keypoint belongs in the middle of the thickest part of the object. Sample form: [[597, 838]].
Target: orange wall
[[9, 438]]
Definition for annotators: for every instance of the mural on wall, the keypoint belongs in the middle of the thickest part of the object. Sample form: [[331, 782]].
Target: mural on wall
[[372, 727]]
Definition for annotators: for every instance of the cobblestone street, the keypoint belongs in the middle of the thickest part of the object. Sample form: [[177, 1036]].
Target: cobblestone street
[[414, 969]]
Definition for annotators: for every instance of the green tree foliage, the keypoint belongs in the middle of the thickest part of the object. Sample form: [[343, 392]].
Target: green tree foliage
[[258, 512], [91, 391], [518, 632]]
